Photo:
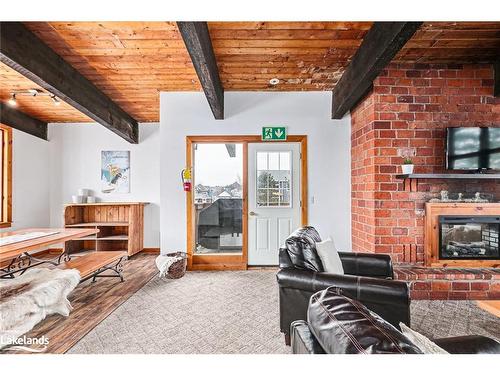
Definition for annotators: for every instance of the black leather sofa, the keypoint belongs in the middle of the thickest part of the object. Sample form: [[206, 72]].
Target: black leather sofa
[[339, 325], [368, 279]]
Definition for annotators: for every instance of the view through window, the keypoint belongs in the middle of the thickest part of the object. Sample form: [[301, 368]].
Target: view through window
[[218, 191]]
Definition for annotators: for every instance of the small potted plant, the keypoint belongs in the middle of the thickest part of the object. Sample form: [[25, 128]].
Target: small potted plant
[[407, 166]]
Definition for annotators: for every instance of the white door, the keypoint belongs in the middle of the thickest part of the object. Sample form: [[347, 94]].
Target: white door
[[273, 199]]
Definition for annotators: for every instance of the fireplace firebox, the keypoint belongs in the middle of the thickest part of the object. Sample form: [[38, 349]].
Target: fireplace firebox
[[469, 237]]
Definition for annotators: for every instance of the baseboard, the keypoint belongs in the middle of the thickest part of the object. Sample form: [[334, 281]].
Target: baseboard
[[151, 250], [218, 267]]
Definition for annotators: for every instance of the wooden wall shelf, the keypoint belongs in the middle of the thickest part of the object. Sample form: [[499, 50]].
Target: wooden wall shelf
[[410, 181], [450, 176], [120, 224]]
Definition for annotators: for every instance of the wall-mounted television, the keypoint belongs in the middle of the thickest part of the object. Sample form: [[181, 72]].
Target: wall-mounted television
[[471, 148]]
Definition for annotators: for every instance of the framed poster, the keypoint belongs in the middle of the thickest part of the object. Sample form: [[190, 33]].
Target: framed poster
[[115, 171]]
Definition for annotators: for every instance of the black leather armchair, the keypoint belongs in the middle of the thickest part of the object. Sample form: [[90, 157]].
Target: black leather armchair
[[304, 342], [367, 279]]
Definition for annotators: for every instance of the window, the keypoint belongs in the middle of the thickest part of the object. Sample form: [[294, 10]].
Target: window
[[6, 176], [274, 175], [218, 197]]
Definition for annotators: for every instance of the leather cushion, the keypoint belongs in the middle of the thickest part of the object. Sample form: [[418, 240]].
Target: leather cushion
[[301, 248], [344, 326]]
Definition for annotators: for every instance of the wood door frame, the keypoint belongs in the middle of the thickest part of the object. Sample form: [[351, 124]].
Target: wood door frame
[[230, 261], [6, 170]]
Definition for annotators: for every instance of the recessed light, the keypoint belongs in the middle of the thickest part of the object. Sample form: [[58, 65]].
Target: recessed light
[[274, 81], [12, 101]]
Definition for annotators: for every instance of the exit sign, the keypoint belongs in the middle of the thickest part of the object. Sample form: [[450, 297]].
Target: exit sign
[[274, 133]]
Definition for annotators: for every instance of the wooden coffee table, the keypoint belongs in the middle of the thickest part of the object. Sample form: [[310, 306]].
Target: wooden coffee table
[[17, 258]]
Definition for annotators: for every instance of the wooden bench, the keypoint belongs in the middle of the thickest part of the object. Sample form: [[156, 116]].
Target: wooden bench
[[94, 264]]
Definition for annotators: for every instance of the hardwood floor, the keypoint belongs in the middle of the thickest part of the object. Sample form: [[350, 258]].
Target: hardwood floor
[[492, 306], [92, 303]]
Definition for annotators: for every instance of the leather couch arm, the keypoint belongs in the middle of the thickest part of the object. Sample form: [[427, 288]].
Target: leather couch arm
[[469, 345], [363, 264], [387, 298], [303, 341]]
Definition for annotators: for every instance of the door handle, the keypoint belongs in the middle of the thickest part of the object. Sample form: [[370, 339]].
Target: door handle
[[251, 213]]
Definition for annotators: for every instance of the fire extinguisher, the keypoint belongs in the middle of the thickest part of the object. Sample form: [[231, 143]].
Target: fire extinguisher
[[186, 179]]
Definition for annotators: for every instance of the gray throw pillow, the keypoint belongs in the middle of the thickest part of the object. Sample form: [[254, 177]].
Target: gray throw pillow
[[422, 342]]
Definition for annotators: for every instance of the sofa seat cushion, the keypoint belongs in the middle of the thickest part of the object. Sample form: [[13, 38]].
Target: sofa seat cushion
[[301, 249], [344, 326]]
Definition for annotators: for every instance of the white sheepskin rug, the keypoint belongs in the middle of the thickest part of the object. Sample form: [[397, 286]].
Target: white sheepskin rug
[[29, 298]]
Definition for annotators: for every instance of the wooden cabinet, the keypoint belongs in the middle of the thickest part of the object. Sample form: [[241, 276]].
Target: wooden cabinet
[[121, 226]]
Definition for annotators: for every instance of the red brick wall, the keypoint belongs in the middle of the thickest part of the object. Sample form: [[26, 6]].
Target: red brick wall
[[410, 106], [363, 175]]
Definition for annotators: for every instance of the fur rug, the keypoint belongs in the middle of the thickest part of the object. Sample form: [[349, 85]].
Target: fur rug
[[29, 298]]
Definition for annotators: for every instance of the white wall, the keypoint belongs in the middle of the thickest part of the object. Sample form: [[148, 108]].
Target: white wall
[[75, 162], [329, 145], [30, 181]]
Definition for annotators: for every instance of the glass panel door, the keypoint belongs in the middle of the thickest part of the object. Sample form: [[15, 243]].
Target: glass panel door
[[218, 193]]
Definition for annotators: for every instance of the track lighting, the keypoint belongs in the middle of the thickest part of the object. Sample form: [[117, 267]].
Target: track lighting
[[12, 101], [55, 99], [31, 92]]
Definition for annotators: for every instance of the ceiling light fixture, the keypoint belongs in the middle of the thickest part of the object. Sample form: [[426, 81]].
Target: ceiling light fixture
[[55, 99], [12, 101], [274, 81], [31, 92]]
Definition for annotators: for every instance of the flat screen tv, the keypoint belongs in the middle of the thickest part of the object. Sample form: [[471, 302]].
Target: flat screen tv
[[473, 149]]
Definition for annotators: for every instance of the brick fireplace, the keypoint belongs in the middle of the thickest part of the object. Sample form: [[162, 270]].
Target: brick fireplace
[[409, 108], [462, 235]]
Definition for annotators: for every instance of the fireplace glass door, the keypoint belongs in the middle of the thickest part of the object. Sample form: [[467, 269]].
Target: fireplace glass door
[[469, 237]]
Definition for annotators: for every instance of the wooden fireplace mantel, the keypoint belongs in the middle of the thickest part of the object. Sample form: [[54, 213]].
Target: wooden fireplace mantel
[[431, 231]]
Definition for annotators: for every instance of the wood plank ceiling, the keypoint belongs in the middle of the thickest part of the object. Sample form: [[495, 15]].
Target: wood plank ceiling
[[302, 55], [40, 107], [453, 42], [132, 62]]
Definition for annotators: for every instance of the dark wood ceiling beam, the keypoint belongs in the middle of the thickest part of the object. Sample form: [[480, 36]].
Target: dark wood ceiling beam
[[21, 121], [496, 73], [380, 44], [24, 52], [199, 45]]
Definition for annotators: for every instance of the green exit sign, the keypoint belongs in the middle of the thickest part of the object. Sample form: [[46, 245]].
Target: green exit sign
[[274, 133]]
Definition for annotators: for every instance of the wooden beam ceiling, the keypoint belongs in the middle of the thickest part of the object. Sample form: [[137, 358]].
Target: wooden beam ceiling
[[131, 62], [21, 121], [40, 107], [199, 45], [453, 43], [304, 56], [380, 45], [22, 51]]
